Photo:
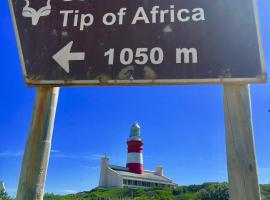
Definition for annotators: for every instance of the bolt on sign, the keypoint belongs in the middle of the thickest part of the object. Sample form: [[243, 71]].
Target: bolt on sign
[[138, 42]]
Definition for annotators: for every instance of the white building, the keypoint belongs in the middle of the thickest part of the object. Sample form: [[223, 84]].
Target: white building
[[133, 175]]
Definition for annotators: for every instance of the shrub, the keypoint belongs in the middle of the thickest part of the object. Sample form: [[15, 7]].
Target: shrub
[[214, 192], [4, 196]]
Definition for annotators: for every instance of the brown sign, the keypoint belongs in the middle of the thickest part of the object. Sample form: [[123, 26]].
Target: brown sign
[[123, 42]]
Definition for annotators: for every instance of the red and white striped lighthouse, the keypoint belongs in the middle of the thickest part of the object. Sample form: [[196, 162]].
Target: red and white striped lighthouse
[[135, 143]]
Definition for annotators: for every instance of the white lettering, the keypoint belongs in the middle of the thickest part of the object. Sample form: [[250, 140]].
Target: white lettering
[[182, 18], [121, 15], [66, 14], [86, 20], [75, 23], [172, 13], [140, 15], [186, 53], [162, 15], [198, 14], [109, 19], [157, 15], [154, 13]]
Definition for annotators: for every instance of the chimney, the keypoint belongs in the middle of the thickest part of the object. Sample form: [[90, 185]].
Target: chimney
[[159, 170], [104, 161], [104, 172]]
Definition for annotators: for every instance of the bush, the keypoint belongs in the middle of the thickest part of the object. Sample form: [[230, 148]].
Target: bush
[[4, 196], [186, 196], [206, 191], [214, 192]]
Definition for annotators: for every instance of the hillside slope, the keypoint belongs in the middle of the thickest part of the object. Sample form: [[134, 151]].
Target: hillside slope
[[206, 191]]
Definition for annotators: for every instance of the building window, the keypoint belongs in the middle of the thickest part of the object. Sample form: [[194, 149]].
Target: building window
[[145, 184]]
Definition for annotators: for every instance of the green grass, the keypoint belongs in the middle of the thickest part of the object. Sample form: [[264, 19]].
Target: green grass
[[265, 191], [206, 191]]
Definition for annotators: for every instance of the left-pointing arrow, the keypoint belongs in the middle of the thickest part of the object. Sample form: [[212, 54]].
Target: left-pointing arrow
[[63, 56]]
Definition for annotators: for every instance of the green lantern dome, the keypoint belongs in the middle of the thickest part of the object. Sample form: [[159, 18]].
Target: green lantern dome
[[135, 130]]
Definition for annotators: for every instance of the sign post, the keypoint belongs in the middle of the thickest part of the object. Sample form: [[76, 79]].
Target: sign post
[[38, 147], [241, 158]]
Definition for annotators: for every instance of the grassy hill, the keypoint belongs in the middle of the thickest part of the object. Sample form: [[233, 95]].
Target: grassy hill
[[265, 191], [206, 191]]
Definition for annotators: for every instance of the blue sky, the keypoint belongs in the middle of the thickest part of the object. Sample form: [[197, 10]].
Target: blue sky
[[182, 126]]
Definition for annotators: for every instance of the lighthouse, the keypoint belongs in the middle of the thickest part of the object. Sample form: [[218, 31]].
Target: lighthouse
[[135, 149], [133, 175]]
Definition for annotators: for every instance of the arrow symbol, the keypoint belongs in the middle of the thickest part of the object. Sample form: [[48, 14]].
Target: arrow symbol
[[64, 55]]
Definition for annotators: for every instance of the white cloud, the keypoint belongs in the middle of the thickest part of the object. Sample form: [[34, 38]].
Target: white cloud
[[55, 151], [55, 154], [11, 154], [11, 189], [264, 174], [95, 168], [96, 156], [87, 167], [11, 192], [264, 169], [74, 156]]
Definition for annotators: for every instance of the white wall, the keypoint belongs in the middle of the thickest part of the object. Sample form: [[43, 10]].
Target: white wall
[[108, 177]]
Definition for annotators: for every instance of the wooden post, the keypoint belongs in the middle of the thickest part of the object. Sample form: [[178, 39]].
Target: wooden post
[[37, 150], [241, 159]]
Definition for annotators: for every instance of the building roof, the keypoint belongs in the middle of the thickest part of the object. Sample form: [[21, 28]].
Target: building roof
[[146, 176], [118, 168]]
